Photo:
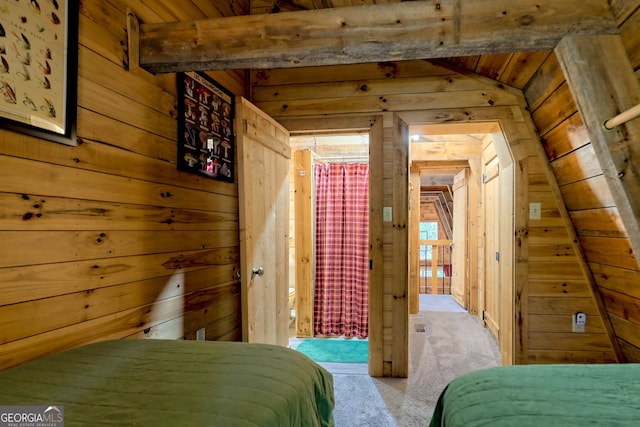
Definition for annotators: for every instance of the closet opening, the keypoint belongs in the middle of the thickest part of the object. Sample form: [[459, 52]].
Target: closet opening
[[329, 242]]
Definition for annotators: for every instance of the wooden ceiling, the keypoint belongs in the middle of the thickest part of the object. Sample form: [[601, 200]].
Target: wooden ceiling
[[513, 69], [297, 33]]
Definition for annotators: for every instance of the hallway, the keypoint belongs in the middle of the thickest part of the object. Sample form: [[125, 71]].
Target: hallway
[[453, 343]]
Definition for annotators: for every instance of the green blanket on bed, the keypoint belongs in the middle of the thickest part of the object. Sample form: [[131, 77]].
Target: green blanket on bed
[[542, 395], [176, 383]]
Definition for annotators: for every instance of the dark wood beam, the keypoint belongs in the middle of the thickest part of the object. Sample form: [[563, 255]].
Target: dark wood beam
[[375, 33]]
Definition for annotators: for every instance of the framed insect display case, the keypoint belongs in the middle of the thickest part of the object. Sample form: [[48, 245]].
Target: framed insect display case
[[39, 68], [205, 127]]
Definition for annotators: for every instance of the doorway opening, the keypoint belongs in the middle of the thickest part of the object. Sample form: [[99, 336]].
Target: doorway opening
[[328, 249], [462, 179]]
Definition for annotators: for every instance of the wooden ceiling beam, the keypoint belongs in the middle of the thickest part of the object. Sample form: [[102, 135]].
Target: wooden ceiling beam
[[432, 166], [603, 84], [456, 128], [373, 33]]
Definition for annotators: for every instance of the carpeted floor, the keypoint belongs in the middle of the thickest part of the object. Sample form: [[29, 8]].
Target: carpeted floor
[[453, 343]]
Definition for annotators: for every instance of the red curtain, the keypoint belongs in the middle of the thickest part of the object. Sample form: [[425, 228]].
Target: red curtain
[[341, 305]]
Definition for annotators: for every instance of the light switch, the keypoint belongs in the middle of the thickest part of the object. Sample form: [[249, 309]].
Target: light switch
[[535, 210], [387, 214]]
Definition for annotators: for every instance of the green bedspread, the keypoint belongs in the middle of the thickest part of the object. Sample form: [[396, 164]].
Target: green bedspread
[[543, 395], [176, 383]]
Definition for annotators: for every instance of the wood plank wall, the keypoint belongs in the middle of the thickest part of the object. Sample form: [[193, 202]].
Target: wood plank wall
[[602, 236], [421, 92], [107, 239]]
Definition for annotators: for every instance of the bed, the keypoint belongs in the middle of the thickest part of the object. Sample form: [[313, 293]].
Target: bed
[[542, 395], [175, 383]]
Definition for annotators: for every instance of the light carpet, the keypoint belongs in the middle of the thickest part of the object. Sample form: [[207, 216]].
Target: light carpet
[[453, 343]]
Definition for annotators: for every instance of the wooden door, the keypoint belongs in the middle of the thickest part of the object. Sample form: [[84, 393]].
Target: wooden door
[[459, 285], [263, 190], [414, 239], [492, 219]]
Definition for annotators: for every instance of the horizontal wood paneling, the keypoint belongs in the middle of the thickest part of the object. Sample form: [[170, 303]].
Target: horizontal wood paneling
[[112, 188], [557, 323], [563, 356], [616, 279], [58, 246], [569, 341], [549, 256], [556, 108], [40, 212], [598, 222], [559, 288], [122, 181], [601, 233], [566, 137], [580, 164], [107, 239], [389, 102]]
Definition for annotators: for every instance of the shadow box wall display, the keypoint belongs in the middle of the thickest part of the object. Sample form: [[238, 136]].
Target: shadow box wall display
[[205, 127], [39, 68]]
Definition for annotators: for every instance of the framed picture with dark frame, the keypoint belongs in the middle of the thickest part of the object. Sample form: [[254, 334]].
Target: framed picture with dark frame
[[205, 127], [39, 68]]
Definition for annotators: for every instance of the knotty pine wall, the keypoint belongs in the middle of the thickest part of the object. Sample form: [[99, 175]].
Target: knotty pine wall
[[602, 236], [421, 92], [107, 239]]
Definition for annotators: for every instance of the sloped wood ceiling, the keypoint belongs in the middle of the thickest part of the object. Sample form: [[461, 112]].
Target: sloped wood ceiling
[[602, 235]]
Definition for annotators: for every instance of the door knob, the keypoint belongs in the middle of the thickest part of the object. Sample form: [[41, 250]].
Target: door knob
[[257, 272]]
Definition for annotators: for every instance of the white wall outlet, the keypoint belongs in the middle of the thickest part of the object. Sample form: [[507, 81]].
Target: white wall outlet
[[201, 334], [579, 322], [387, 214], [535, 210]]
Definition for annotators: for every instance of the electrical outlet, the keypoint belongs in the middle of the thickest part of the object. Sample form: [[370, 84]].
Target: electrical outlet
[[579, 322], [201, 334]]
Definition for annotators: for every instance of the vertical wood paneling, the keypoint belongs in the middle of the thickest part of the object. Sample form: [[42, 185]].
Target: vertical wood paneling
[[304, 218], [460, 243], [265, 155], [376, 254], [492, 218], [416, 215], [399, 246]]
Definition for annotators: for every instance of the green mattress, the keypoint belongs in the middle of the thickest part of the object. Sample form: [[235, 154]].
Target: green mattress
[[542, 395], [175, 383]]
